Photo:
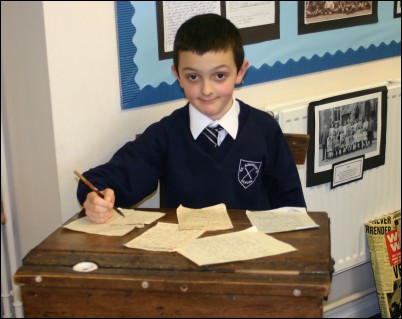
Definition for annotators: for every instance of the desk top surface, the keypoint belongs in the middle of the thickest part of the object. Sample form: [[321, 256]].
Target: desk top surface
[[312, 255]]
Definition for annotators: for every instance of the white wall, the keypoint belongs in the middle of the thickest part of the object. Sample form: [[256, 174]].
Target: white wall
[[61, 103], [26, 112]]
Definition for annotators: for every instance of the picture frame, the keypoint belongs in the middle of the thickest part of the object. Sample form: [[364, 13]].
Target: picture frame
[[397, 9], [343, 127], [317, 16]]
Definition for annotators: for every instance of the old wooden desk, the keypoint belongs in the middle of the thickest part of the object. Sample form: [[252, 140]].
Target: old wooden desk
[[137, 283]]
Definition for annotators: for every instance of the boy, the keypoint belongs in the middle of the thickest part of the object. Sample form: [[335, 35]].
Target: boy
[[249, 166]]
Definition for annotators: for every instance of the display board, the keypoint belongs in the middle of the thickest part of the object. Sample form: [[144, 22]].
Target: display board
[[146, 78]]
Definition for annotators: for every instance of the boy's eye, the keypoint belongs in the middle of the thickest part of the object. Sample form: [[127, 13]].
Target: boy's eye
[[192, 77], [220, 76]]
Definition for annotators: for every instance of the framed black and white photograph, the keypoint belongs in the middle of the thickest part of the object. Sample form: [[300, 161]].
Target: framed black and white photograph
[[345, 127], [397, 9], [316, 16]]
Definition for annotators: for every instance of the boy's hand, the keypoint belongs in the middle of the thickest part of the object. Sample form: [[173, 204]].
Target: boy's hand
[[98, 209]]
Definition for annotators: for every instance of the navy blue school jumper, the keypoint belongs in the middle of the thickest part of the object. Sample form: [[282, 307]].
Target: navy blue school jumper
[[256, 171]]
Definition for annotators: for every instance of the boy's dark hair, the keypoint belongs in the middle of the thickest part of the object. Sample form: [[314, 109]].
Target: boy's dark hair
[[208, 32]]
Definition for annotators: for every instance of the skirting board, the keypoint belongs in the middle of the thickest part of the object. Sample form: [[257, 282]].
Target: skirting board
[[364, 307]]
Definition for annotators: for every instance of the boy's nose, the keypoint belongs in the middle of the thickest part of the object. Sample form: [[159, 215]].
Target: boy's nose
[[207, 88]]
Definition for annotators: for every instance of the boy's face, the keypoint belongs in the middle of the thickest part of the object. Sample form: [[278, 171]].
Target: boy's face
[[208, 80]]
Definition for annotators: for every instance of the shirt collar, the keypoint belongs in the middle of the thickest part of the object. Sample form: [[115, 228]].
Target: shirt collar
[[230, 121]]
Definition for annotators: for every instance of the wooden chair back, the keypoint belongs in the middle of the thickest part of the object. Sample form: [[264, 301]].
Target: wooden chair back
[[298, 144]]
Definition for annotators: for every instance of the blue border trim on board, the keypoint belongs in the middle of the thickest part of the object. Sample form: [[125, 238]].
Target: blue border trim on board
[[127, 50], [326, 62], [132, 96]]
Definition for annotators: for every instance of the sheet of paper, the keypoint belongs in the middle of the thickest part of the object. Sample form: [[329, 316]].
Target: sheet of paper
[[135, 217], [241, 245], [176, 12], [164, 237], [208, 218], [246, 14], [281, 219], [117, 225], [84, 225]]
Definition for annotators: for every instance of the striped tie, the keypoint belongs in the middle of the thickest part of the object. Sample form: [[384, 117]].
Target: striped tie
[[212, 134]]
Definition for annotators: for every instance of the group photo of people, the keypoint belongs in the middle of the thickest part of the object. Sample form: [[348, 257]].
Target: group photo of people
[[318, 10], [347, 131]]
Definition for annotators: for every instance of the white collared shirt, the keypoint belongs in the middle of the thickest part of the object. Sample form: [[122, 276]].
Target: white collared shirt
[[230, 122]]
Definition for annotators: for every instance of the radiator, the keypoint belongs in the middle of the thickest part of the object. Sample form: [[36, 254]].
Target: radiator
[[351, 205]]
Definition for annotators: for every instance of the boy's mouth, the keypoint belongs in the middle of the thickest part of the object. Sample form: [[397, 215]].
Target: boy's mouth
[[209, 100]]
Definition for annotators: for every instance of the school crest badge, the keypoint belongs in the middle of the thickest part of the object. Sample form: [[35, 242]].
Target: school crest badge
[[248, 172]]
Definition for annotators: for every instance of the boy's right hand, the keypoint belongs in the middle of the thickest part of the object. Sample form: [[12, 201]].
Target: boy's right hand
[[98, 209]]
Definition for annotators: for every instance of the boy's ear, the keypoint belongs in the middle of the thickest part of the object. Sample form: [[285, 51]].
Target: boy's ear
[[242, 72], [176, 73]]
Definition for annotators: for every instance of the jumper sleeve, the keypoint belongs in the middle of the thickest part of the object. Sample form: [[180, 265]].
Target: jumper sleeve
[[133, 171]]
